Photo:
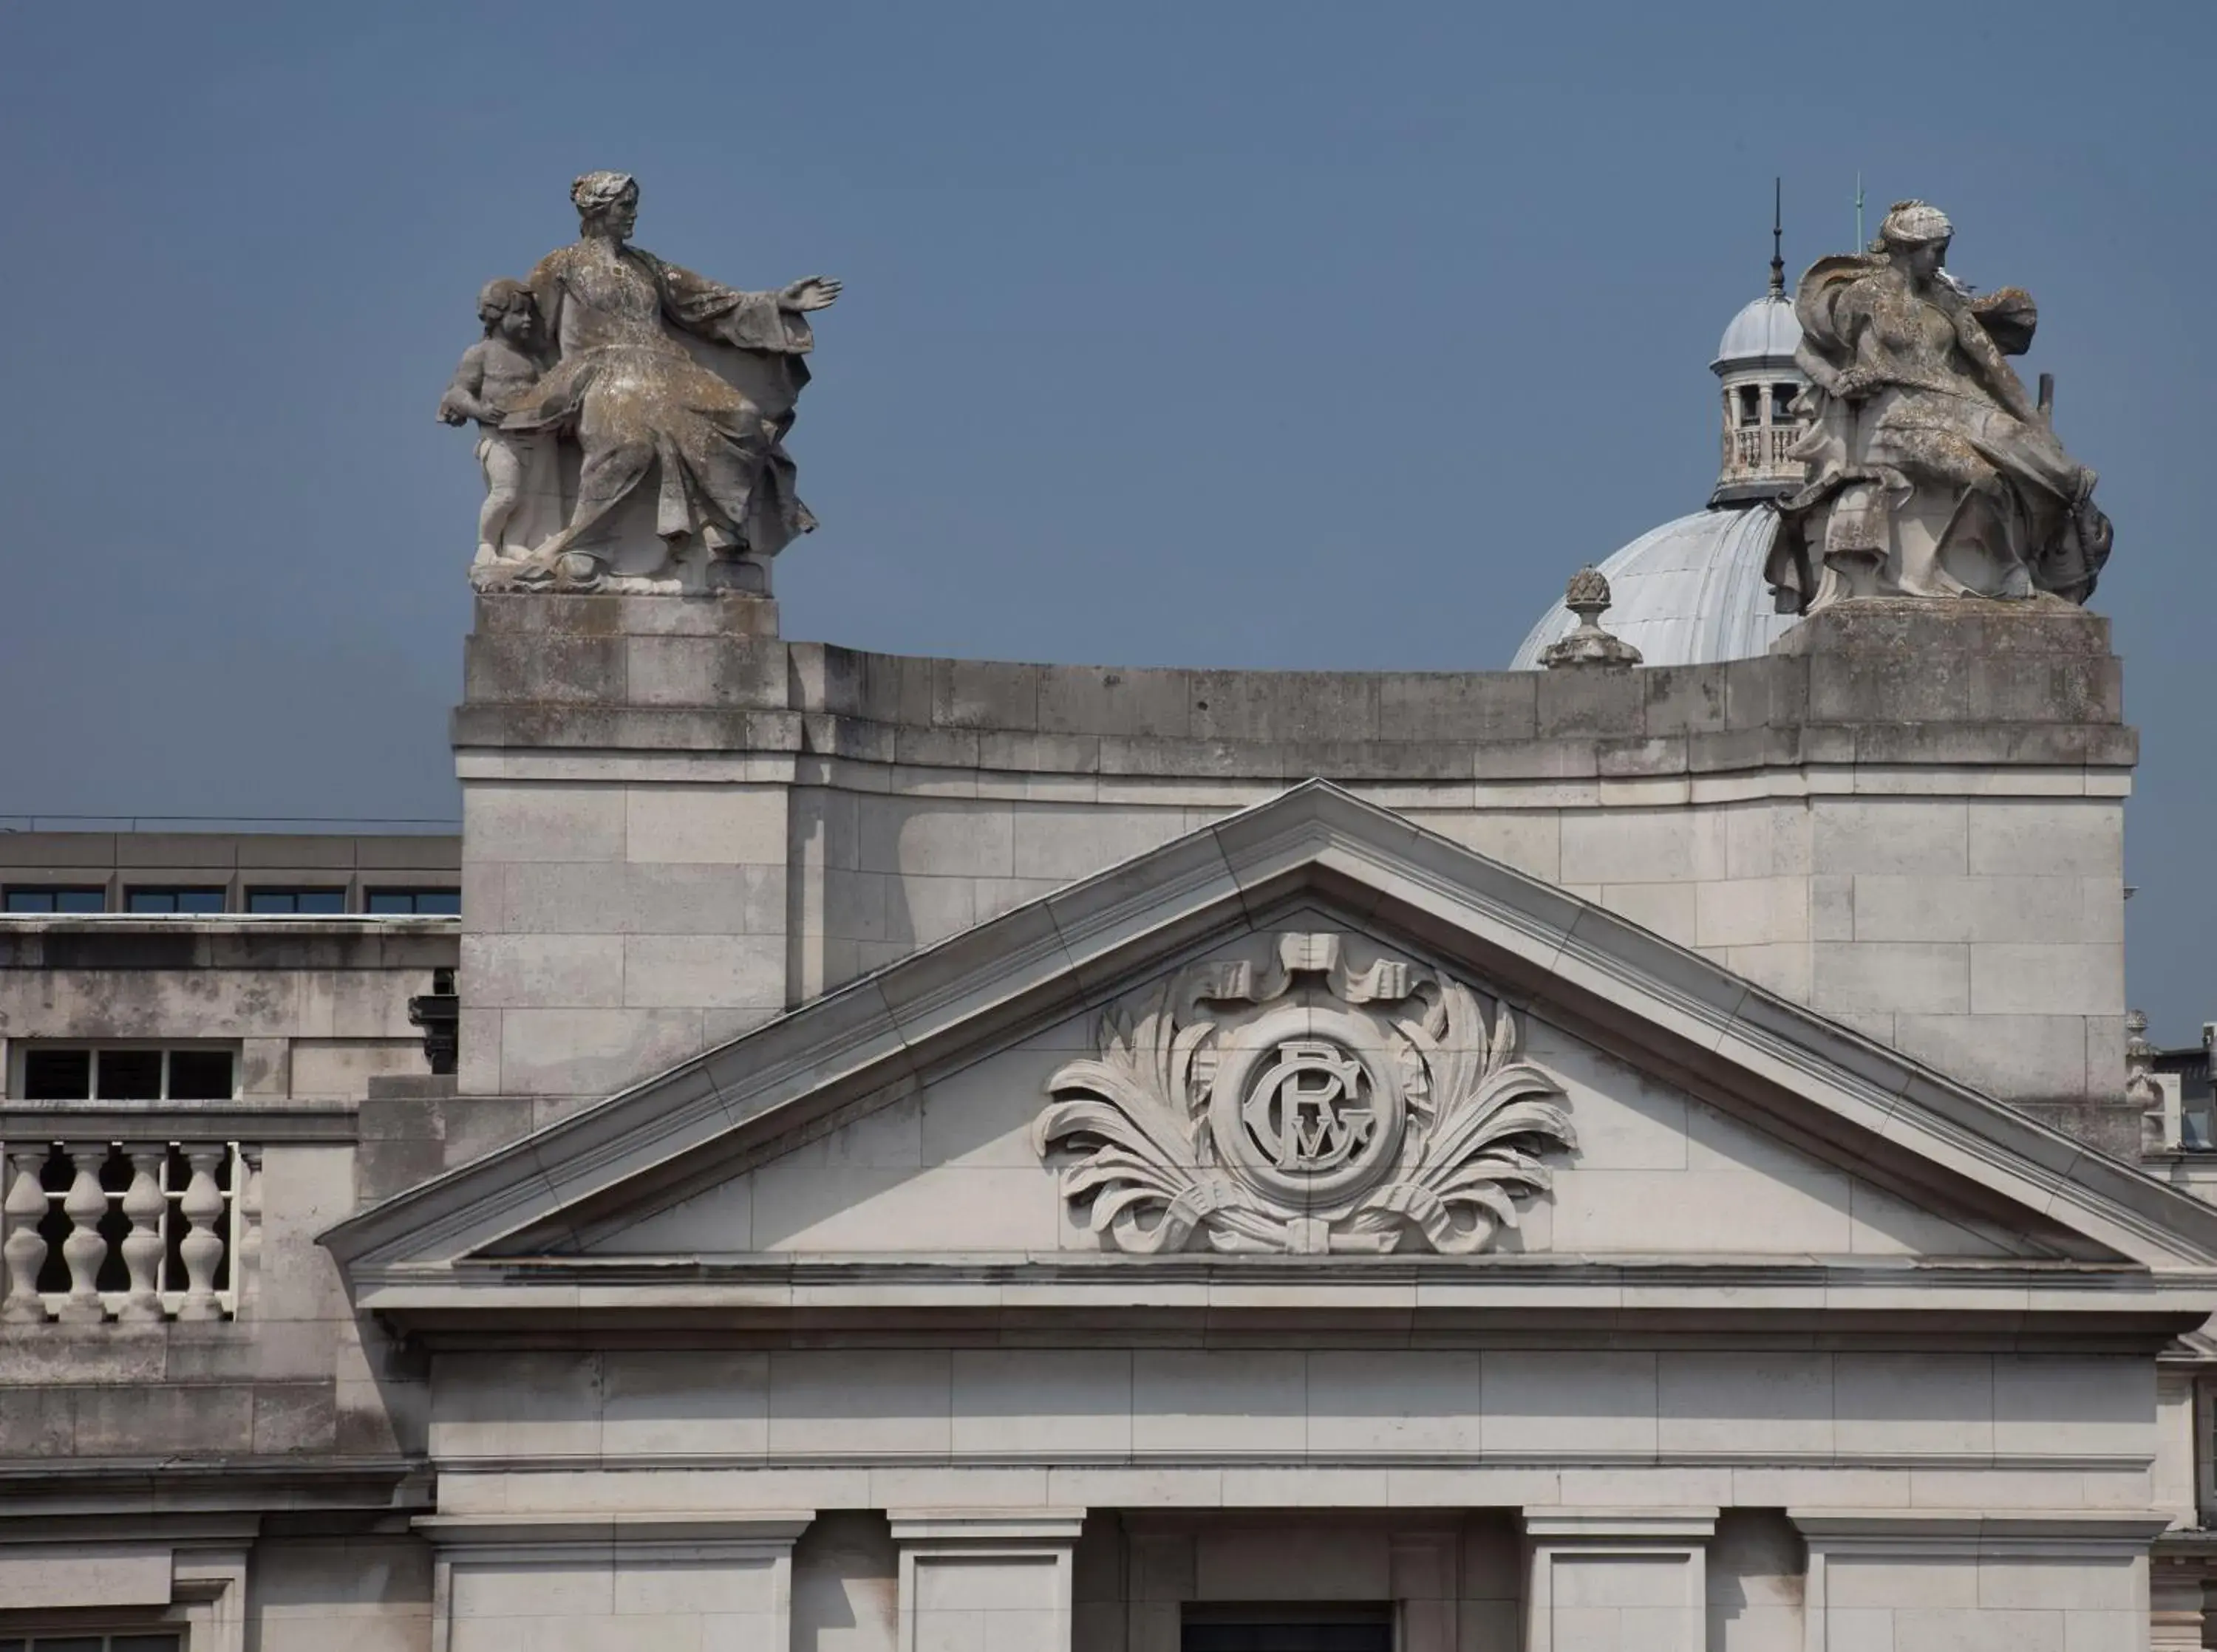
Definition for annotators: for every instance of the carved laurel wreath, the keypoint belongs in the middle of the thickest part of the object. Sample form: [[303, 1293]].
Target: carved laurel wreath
[[1298, 1102]]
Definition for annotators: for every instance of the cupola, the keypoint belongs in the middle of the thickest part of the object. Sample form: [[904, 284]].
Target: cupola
[[1760, 385]]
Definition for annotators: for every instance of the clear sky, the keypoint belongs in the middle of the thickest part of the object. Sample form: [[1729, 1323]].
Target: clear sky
[[1248, 335]]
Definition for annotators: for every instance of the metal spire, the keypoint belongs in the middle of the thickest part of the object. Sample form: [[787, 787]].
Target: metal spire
[[1777, 257], [1859, 212]]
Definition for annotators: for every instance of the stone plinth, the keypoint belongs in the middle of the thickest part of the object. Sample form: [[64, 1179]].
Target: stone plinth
[[1909, 816]]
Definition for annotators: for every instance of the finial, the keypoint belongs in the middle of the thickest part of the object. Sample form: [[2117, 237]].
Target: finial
[[2158, 1130], [1589, 644], [1777, 253]]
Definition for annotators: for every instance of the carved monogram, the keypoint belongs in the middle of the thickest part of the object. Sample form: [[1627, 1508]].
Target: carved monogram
[[1299, 1100]]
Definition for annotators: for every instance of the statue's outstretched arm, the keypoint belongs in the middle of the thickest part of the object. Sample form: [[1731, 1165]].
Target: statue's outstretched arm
[[752, 320]]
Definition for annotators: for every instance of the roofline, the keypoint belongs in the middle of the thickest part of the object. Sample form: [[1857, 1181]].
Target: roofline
[[1062, 951], [1724, 365]]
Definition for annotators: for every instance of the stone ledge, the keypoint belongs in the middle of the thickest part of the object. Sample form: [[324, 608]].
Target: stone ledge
[[115, 942], [2040, 625], [1879, 681], [1586, 756], [726, 613]]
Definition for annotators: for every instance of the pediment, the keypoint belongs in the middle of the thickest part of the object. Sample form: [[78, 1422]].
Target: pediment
[[1309, 1035], [1308, 1089]]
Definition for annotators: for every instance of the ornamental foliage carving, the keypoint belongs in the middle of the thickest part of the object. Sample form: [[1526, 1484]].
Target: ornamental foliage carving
[[1312, 1096]]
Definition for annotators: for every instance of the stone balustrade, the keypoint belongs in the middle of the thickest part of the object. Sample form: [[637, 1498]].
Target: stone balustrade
[[1761, 448], [133, 1231]]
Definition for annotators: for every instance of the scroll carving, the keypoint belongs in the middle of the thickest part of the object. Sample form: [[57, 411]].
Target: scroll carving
[[1314, 1097]]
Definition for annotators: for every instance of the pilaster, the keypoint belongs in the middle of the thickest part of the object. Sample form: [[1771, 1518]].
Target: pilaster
[[612, 1583], [1606, 1579], [985, 1582], [1938, 1577]]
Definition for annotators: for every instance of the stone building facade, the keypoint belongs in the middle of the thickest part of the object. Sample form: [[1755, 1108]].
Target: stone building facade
[[953, 1156]]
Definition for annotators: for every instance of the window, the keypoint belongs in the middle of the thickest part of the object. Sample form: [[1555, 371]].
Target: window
[[168, 901], [1278, 1628], [159, 1641], [1750, 404], [419, 903], [73, 899], [1782, 403], [296, 902], [126, 1072]]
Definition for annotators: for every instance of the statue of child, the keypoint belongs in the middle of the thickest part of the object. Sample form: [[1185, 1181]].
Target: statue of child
[[523, 503]]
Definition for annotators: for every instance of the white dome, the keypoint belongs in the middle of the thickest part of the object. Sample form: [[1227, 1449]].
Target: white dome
[[1764, 330], [1687, 593]]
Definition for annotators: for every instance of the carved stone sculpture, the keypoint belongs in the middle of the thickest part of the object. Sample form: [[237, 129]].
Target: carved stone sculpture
[[1932, 473], [666, 397], [1587, 596], [1312, 1096], [523, 485]]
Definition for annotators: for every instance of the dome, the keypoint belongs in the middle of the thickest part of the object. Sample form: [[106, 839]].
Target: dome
[[1764, 330], [1687, 593]]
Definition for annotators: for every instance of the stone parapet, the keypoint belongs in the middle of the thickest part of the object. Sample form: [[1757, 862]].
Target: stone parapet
[[1907, 816], [2037, 687]]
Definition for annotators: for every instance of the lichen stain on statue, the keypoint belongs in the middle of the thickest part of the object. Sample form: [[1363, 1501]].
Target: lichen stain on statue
[[1312, 1095], [633, 416], [1932, 473]]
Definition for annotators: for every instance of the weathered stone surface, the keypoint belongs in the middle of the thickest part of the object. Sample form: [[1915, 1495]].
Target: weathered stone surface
[[723, 614], [984, 753], [1908, 380], [616, 362]]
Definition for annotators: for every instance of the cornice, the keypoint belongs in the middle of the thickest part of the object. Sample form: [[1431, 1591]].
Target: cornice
[[1077, 947]]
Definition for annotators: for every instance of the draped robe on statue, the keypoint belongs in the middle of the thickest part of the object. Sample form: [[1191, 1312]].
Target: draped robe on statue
[[1946, 479], [634, 391]]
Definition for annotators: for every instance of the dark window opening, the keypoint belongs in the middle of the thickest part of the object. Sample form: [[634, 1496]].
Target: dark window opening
[[1782, 403], [57, 1075], [142, 1642], [413, 903], [200, 1075], [286, 903], [1282, 1629], [166, 902], [128, 1074], [1750, 404], [73, 899]]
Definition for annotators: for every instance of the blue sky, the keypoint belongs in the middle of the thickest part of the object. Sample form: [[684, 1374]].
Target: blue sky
[[1284, 335]]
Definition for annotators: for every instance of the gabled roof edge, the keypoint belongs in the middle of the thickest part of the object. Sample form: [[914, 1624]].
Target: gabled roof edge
[[1061, 946]]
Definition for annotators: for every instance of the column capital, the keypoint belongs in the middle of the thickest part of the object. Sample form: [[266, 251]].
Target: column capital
[[1051, 1527], [1675, 1526]]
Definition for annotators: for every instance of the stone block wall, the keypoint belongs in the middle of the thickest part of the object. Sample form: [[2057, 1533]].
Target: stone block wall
[[1909, 817], [317, 1010], [316, 1006]]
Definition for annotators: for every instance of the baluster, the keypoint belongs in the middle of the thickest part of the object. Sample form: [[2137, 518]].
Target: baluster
[[142, 1247], [84, 1250], [202, 1248], [24, 1250], [246, 1266]]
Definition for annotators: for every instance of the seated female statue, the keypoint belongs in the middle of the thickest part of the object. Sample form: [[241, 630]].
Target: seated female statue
[[633, 390], [1931, 472]]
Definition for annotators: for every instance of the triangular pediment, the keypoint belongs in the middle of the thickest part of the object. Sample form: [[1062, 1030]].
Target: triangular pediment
[[1308, 1036], [1243, 1104]]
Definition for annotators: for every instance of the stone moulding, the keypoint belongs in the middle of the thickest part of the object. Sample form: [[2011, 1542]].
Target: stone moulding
[[1300, 1101]]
